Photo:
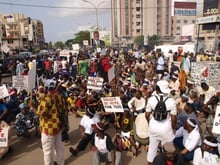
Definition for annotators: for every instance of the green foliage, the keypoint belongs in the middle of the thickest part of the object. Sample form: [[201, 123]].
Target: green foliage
[[80, 36], [59, 45], [36, 50], [154, 40], [139, 41]]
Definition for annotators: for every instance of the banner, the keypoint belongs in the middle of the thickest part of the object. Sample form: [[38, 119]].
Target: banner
[[3, 91], [95, 83], [111, 73], [207, 71], [4, 137], [112, 104], [216, 124]]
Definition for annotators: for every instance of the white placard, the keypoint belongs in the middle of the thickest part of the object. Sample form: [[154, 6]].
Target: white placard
[[111, 73], [20, 82], [112, 104], [75, 46], [95, 83], [85, 42], [216, 124], [4, 137], [3, 91]]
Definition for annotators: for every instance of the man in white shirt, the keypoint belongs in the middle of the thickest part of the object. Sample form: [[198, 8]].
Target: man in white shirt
[[86, 131], [160, 131], [207, 153], [187, 139], [137, 103]]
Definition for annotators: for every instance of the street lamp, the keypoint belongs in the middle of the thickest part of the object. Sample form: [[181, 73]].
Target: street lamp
[[96, 6]]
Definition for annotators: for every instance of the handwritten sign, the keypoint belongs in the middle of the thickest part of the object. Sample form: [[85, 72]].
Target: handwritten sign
[[95, 83], [4, 137], [112, 104], [3, 91], [20, 82], [216, 124]]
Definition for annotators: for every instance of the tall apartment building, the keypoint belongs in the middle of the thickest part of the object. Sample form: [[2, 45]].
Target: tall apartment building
[[184, 14], [127, 20], [19, 31], [132, 18]]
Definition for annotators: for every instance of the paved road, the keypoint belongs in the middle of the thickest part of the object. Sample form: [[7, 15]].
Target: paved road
[[28, 151]]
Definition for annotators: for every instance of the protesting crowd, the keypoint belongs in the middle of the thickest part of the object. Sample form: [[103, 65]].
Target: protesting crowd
[[163, 109]]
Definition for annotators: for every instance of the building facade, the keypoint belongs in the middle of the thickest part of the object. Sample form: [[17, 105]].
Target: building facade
[[127, 20], [133, 18], [208, 27], [20, 32], [184, 14]]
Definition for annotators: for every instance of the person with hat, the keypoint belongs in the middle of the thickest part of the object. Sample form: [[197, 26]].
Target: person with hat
[[103, 147], [207, 153], [187, 139], [86, 130], [49, 110], [160, 131], [168, 156]]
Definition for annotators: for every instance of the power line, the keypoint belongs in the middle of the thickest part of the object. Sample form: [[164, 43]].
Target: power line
[[74, 7]]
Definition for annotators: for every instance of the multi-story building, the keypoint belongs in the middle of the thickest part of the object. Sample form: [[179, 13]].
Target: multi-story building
[[132, 18], [208, 26], [20, 32], [184, 14], [127, 20]]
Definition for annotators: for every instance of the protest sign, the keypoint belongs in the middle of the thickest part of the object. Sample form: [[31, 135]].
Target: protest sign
[[95, 83], [20, 82], [216, 123], [206, 71], [4, 137], [112, 104], [111, 73], [3, 91]]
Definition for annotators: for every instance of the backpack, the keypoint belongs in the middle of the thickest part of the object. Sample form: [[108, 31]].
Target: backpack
[[160, 111]]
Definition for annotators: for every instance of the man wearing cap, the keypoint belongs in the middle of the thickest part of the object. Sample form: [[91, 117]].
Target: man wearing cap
[[169, 156], [206, 92], [207, 153], [49, 109], [103, 147], [160, 131], [187, 139], [175, 84], [86, 130]]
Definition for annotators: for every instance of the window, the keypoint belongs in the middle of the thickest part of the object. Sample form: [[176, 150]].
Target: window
[[178, 21], [193, 21], [177, 28], [138, 9], [10, 41], [138, 30], [185, 21], [138, 16], [138, 23]]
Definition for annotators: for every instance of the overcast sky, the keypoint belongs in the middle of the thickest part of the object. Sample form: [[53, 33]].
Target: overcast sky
[[62, 18]]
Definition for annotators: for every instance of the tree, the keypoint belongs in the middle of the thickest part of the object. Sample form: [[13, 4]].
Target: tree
[[80, 36], [154, 40], [139, 41], [59, 44]]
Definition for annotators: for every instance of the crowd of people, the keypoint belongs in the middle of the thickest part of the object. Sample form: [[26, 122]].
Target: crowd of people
[[164, 110]]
